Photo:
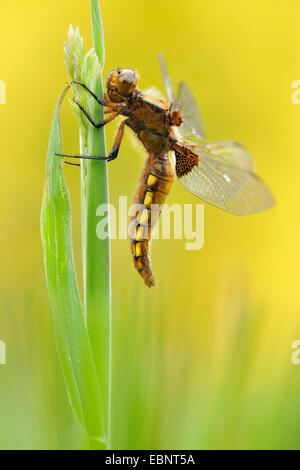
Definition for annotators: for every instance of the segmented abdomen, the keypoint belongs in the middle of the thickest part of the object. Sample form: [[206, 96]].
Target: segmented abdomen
[[155, 183]]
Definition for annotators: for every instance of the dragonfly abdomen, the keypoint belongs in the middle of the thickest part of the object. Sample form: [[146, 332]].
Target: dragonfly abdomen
[[155, 184]]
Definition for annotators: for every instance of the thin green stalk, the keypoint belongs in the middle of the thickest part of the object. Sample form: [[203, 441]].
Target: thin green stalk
[[96, 252], [98, 273], [94, 192], [72, 341]]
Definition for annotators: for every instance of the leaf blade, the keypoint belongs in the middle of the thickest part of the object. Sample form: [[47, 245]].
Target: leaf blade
[[73, 345]]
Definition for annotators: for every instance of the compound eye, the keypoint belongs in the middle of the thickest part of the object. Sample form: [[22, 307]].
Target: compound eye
[[127, 75]]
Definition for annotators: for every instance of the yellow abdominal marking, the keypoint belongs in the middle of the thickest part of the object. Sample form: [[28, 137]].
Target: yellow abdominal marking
[[145, 216], [142, 232], [151, 180], [141, 249], [146, 219], [148, 198], [151, 195]]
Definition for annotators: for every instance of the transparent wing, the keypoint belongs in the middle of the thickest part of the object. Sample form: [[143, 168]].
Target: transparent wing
[[166, 79], [227, 151], [192, 125], [233, 189]]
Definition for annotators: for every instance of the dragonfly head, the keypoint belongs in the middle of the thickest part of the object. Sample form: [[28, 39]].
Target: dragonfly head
[[120, 84]]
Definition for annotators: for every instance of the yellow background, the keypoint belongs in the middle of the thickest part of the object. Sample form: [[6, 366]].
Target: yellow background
[[240, 59]]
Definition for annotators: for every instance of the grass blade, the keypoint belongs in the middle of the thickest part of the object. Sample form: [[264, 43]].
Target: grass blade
[[94, 192], [73, 344], [97, 251]]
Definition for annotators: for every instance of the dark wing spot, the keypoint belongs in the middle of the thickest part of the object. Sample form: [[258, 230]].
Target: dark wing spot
[[185, 162]]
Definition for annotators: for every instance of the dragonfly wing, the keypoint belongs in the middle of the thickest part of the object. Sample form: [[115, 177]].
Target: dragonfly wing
[[166, 79], [228, 187], [192, 125], [226, 151]]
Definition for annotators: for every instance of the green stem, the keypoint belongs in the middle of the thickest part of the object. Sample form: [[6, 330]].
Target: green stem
[[97, 444], [73, 345], [96, 252]]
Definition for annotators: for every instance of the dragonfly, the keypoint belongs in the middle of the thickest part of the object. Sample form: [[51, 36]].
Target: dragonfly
[[219, 173]]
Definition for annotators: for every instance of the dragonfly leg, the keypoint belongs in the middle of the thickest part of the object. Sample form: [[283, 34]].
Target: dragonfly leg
[[112, 154], [74, 164], [90, 119], [100, 101], [116, 147]]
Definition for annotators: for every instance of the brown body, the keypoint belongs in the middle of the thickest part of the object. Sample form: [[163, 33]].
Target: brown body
[[155, 183], [151, 121]]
